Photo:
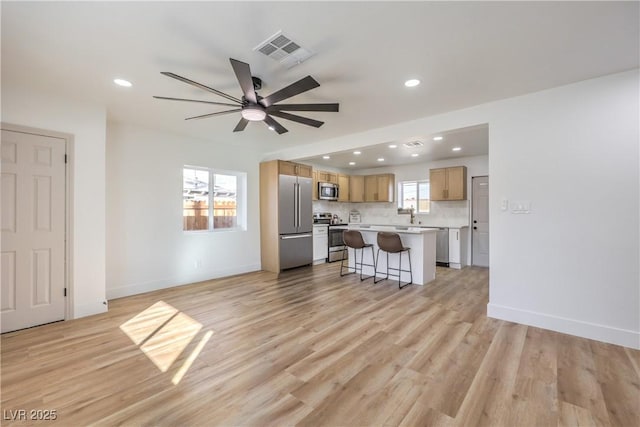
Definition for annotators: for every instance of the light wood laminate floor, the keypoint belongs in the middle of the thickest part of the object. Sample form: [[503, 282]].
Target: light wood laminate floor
[[311, 348]]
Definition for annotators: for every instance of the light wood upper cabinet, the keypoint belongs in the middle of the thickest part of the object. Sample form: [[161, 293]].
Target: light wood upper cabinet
[[379, 188], [457, 183], [448, 183], [343, 188], [356, 188], [331, 177], [314, 194], [295, 169]]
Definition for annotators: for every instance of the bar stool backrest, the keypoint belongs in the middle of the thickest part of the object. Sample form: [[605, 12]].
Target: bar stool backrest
[[353, 239], [390, 242]]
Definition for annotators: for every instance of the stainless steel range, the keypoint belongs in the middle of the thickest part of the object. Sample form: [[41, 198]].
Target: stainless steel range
[[335, 241]]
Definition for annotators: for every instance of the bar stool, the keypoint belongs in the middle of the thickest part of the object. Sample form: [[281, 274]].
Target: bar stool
[[391, 243], [353, 239]]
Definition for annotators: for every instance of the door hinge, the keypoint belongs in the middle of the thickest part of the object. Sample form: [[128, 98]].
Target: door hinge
[[65, 292], [65, 158]]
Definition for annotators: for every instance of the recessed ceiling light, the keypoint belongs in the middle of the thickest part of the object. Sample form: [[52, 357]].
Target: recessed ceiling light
[[357, 153], [272, 128], [352, 163], [456, 149], [381, 159], [121, 82], [393, 146], [412, 83], [326, 157], [438, 138], [415, 155]]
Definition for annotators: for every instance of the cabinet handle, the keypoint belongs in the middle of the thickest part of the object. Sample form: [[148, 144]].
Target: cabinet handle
[[457, 235]]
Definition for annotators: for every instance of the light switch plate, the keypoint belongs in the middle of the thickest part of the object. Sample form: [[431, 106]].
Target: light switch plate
[[504, 205], [521, 207]]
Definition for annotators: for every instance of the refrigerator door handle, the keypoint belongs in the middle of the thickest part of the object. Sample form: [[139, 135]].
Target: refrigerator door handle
[[296, 236], [298, 212], [295, 205]]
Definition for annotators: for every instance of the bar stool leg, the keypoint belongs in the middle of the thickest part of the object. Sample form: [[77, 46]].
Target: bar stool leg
[[399, 269], [374, 261], [410, 270], [375, 271], [342, 262]]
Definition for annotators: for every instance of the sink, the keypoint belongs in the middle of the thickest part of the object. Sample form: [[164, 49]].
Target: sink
[[399, 227]]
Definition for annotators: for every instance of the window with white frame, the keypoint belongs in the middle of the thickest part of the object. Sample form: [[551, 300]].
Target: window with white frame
[[213, 199], [414, 194]]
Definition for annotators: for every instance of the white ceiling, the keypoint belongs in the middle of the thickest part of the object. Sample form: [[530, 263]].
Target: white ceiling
[[465, 53], [472, 141]]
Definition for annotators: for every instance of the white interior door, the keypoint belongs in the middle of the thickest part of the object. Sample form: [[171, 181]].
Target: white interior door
[[33, 230], [480, 226]]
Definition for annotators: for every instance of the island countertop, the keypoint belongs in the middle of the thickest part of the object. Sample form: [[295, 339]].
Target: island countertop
[[365, 224], [404, 229]]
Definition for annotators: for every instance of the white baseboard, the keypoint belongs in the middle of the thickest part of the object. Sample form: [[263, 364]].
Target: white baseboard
[[154, 285], [594, 331], [84, 310]]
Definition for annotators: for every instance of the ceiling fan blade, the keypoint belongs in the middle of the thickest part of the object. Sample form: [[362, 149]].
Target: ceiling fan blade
[[243, 74], [195, 100], [219, 113], [333, 108], [295, 118], [201, 86], [275, 125], [241, 125], [293, 89]]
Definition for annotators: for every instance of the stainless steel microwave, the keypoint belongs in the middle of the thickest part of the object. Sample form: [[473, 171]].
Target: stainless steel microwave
[[327, 191]]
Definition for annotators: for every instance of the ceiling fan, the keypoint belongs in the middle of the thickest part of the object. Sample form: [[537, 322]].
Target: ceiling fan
[[254, 107]]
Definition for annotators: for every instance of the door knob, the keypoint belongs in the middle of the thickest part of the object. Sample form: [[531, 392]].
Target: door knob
[[475, 221], [475, 228]]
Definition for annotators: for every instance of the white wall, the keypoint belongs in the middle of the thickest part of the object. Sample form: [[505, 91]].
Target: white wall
[[146, 246], [572, 265], [87, 124]]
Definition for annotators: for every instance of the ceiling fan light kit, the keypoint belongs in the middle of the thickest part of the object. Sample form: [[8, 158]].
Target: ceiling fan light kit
[[253, 107], [253, 113]]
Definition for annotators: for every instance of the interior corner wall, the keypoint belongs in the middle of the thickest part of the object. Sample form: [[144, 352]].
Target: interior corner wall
[[87, 124], [572, 264], [147, 248]]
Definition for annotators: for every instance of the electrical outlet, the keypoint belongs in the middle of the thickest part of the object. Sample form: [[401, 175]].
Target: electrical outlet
[[197, 263], [504, 204]]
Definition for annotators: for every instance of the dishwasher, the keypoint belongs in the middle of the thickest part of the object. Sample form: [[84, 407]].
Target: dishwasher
[[442, 247]]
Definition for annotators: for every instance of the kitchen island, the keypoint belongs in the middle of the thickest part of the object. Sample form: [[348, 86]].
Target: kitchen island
[[422, 242]]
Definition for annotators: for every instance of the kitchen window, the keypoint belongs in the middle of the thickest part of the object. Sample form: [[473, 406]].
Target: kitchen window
[[414, 194], [213, 200]]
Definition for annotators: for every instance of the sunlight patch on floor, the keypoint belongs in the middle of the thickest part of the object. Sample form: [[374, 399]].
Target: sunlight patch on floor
[[193, 356], [163, 332]]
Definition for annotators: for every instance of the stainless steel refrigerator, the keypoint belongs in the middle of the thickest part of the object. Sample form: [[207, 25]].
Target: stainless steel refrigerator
[[295, 221]]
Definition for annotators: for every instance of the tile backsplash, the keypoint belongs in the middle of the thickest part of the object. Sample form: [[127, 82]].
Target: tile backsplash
[[442, 214]]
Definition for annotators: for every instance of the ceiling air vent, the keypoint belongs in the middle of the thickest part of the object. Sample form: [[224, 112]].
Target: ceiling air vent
[[413, 144], [284, 50]]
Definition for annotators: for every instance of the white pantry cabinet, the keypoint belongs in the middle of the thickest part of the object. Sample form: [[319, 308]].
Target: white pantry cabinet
[[458, 238], [320, 243]]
